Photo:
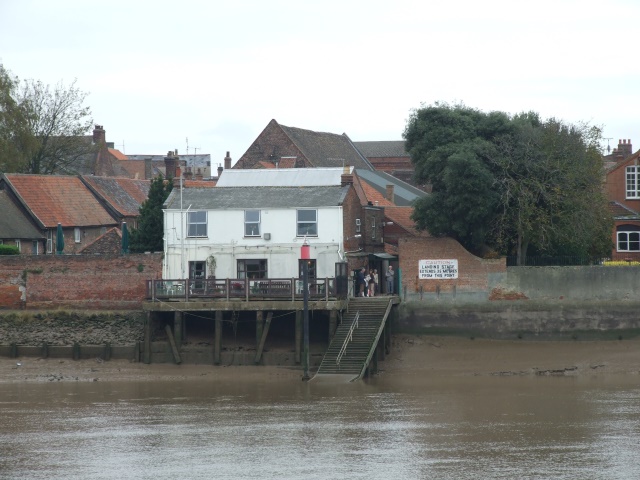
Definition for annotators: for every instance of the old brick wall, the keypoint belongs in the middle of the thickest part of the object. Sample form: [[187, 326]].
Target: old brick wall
[[475, 275], [76, 281], [271, 144]]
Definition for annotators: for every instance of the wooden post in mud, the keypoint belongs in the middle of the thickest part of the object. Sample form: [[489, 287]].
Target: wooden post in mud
[[76, 351], [172, 342], [263, 339], [217, 341], [259, 325], [45, 350], [147, 339], [178, 327], [333, 323], [298, 336]]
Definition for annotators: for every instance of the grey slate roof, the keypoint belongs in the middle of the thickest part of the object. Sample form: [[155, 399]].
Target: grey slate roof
[[256, 197], [381, 149], [404, 193], [13, 223], [327, 149]]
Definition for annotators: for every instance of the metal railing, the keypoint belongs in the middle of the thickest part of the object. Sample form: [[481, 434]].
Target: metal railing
[[348, 338], [239, 288]]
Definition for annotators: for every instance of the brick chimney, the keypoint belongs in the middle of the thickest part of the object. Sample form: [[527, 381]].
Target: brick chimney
[[172, 165], [227, 161], [346, 178], [198, 175], [220, 169], [624, 148], [188, 174], [99, 135], [389, 195]]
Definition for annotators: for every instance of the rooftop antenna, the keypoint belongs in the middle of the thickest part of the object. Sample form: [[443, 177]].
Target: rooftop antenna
[[608, 147], [195, 150], [122, 145], [187, 145]]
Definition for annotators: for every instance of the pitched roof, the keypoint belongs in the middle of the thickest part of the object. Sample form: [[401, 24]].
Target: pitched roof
[[256, 197], [622, 212], [124, 195], [401, 216], [381, 149], [370, 194], [404, 194], [327, 149], [13, 223], [53, 199], [117, 154]]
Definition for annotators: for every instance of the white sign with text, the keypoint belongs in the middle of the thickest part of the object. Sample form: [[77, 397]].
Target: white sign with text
[[437, 269]]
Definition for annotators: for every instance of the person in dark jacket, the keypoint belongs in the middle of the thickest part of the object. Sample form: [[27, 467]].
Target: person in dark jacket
[[361, 282]]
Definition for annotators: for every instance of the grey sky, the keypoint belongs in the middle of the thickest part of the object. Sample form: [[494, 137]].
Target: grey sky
[[216, 72]]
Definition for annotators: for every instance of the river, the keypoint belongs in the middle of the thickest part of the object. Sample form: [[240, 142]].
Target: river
[[388, 427]]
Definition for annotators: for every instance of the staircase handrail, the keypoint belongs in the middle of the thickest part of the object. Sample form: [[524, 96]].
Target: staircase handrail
[[348, 338], [377, 338]]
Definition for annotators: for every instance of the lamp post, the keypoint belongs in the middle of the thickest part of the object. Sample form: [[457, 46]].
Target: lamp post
[[305, 256]]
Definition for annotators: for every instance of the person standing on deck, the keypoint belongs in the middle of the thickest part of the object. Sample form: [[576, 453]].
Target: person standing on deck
[[390, 277], [360, 282]]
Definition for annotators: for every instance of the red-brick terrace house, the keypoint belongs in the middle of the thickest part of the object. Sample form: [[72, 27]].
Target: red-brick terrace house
[[622, 187], [46, 200]]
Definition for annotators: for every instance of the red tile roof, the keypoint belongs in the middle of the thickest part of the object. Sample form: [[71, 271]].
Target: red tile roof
[[200, 183], [401, 216], [118, 154], [54, 199]]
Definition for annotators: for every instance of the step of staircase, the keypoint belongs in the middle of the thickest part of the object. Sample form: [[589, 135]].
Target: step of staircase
[[371, 318]]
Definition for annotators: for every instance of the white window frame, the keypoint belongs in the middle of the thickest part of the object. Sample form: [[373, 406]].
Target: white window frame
[[77, 235], [306, 227], [196, 227], [373, 228], [358, 225], [627, 237], [36, 244], [632, 181], [251, 225], [49, 241], [18, 246]]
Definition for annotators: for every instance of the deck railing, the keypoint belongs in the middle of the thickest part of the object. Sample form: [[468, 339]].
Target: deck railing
[[239, 288]]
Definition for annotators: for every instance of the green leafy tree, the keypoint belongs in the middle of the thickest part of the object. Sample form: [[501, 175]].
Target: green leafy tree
[[148, 237], [43, 127], [509, 183]]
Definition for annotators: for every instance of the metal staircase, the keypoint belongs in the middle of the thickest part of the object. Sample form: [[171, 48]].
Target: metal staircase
[[356, 339]]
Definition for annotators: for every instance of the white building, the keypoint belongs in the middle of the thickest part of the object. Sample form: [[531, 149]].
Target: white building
[[253, 223]]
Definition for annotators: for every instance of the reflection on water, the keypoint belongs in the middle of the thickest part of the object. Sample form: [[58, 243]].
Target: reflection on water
[[385, 428]]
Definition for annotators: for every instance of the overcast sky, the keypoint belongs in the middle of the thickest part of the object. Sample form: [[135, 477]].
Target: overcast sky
[[216, 72]]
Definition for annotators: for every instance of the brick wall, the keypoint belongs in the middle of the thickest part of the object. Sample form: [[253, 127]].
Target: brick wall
[[272, 141], [474, 273], [76, 281]]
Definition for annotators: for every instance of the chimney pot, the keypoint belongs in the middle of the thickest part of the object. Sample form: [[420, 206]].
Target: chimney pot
[[227, 161], [390, 193]]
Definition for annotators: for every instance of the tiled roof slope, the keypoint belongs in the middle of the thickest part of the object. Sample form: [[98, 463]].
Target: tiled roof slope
[[125, 195], [621, 211], [401, 216], [327, 149], [390, 148], [54, 199], [13, 223]]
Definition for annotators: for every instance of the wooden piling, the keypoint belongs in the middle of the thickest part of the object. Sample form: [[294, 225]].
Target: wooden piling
[[263, 339], [76, 351], [172, 342], [333, 323], [45, 350], [106, 355], [147, 339], [13, 350], [178, 323], [259, 325], [217, 343]]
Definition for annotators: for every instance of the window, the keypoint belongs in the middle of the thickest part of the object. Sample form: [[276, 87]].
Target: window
[[197, 272], [633, 190], [628, 238], [49, 241], [252, 223], [252, 269], [373, 227], [34, 247], [197, 224], [307, 223], [312, 268], [76, 235], [18, 245], [357, 225]]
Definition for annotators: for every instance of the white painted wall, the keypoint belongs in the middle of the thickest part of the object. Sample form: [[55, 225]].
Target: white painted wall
[[227, 243]]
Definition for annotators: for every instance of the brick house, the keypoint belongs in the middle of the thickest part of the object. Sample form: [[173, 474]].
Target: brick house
[[622, 186], [86, 207]]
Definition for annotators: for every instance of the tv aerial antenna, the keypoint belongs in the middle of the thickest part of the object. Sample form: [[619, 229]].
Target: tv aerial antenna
[[608, 146]]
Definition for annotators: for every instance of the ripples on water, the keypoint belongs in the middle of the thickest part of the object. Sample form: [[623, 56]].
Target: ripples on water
[[463, 428]]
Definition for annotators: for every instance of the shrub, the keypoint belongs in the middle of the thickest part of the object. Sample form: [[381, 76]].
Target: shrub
[[9, 250]]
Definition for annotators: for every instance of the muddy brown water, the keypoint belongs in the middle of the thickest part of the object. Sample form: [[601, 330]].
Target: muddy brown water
[[390, 426]]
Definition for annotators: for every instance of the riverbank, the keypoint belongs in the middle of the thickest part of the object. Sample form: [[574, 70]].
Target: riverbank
[[412, 356]]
